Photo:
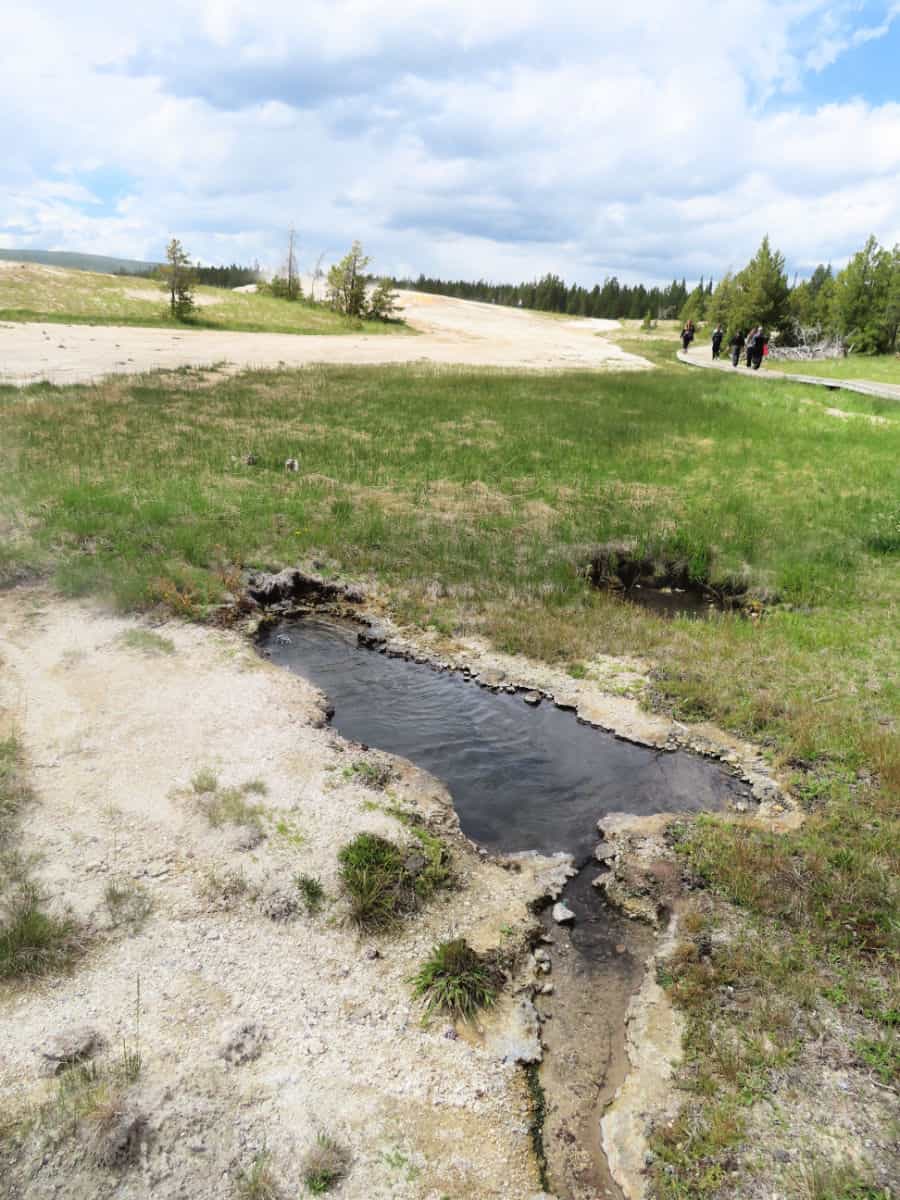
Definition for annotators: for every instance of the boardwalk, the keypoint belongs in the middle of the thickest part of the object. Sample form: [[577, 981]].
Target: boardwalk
[[699, 356]]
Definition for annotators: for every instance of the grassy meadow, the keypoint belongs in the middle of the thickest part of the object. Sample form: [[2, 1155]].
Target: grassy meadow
[[878, 368], [31, 292], [475, 500]]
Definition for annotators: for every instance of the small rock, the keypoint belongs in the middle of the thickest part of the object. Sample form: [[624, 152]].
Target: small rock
[[372, 953], [249, 460], [451, 1034], [547, 989], [620, 948], [562, 914], [75, 1045], [291, 464], [243, 1043], [604, 852], [532, 698], [782, 1156], [279, 905], [541, 955]]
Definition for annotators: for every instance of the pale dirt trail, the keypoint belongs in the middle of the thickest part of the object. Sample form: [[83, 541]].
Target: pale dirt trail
[[450, 332]]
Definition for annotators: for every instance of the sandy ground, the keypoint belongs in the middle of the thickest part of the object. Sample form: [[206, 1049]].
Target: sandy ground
[[450, 332], [114, 736]]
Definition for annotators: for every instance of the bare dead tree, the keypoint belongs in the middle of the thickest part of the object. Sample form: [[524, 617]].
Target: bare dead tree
[[317, 274], [291, 265]]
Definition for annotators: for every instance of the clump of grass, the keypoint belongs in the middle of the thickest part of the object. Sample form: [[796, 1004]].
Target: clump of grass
[[383, 881], [127, 902], [14, 787], [820, 1180], [258, 1181], [375, 775], [204, 781], [146, 641], [882, 1054], [456, 980], [311, 890], [224, 888], [32, 940], [377, 884], [436, 871], [229, 805], [324, 1165]]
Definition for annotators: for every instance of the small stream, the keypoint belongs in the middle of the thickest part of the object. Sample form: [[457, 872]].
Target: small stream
[[523, 778]]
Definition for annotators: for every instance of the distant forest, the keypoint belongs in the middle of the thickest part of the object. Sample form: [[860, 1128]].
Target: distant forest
[[551, 294], [226, 277]]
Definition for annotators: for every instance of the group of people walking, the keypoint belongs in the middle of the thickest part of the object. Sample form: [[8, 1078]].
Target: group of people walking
[[754, 345]]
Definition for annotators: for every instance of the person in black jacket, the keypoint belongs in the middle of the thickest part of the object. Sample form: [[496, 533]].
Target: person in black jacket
[[737, 345], [718, 334], [750, 344], [758, 348]]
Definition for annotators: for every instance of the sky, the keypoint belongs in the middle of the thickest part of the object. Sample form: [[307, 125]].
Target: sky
[[463, 138]]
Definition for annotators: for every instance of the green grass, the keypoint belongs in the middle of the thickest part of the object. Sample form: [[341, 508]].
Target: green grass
[[312, 892], [455, 980], [383, 881], [473, 500], [33, 941], [325, 1165], [85, 298], [145, 641], [879, 368], [257, 1182]]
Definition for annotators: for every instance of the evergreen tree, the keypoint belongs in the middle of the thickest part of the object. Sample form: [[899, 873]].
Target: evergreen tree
[[178, 281], [866, 298], [761, 291], [347, 283]]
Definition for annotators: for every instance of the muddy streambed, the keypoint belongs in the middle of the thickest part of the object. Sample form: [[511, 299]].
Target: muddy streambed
[[526, 777]]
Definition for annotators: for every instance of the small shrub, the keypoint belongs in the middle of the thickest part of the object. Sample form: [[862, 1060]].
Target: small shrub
[[127, 902], [312, 892], [325, 1165], [258, 1181], [455, 980]]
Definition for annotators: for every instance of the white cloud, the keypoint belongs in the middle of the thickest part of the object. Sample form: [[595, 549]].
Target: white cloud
[[450, 135]]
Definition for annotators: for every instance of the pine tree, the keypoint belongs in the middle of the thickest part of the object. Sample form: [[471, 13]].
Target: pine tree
[[761, 291], [347, 283], [866, 299], [178, 280]]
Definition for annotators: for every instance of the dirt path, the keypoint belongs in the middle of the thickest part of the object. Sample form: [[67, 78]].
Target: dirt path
[[114, 734], [450, 332]]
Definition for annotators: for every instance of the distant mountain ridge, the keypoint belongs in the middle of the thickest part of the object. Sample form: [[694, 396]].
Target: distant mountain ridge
[[80, 262]]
